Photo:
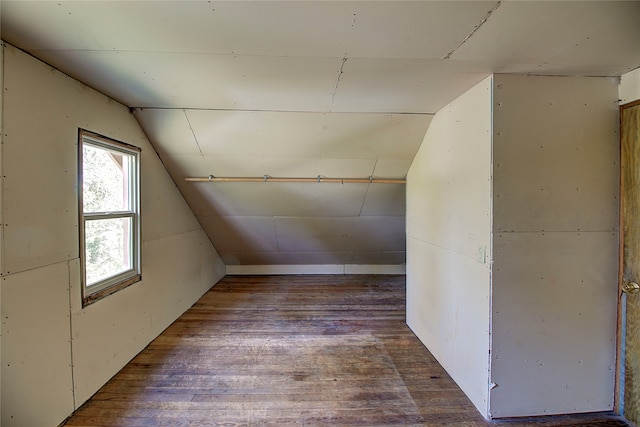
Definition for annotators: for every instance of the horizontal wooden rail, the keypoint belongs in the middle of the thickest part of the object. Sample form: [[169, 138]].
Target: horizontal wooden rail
[[267, 178]]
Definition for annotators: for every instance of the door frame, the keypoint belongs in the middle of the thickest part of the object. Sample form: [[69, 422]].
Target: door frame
[[618, 402]]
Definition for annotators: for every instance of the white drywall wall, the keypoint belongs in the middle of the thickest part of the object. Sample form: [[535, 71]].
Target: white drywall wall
[[630, 87], [49, 340], [449, 239], [549, 220], [555, 240]]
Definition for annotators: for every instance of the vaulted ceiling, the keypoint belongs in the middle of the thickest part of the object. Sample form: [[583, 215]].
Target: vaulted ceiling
[[307, 89]]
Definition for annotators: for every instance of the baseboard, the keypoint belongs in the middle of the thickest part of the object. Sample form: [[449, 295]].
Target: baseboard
[[260, 270]]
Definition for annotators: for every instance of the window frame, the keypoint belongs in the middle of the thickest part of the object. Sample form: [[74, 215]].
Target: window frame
[[107, 286]]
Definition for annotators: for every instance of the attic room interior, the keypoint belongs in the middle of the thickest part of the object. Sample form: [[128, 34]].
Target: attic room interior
[[468, 166]]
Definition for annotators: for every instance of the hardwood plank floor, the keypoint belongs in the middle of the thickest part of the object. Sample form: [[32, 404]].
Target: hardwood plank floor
[[293, 350]]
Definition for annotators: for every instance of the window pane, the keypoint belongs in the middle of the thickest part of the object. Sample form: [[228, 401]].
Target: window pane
[[107, 248], [106, 177]]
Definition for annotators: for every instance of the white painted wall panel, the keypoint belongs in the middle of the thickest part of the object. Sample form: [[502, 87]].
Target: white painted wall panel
[[158, 193], [275, 199], [174, 275], [42, 228], [315, 269], [377, 257], [284, 269], [448, 219], [555, 154], [357, 257], [630, 86], [36, 351], [348, 234], [449, 204], [447, 308], [173, 268], [384, 200], [554, 323], [289, 258], [44, 112], [555, 238], [107, 334], [208, 252], [375, 269], [242, 233], [103, 337]]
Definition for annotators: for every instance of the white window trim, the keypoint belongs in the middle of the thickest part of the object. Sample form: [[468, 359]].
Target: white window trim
[[119, 281]]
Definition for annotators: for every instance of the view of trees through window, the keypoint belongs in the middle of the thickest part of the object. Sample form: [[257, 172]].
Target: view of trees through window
[[106, 176]]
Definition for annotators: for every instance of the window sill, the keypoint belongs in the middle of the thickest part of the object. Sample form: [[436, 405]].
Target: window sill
[[103, 293]]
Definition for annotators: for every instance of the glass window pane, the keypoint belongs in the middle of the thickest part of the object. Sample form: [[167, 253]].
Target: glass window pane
[[106, 177], [107, 248]]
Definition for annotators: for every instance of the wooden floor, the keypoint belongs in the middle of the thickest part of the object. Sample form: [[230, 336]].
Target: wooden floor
[[292, 350]]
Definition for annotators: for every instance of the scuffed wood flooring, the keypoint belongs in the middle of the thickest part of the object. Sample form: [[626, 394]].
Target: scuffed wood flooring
[[292, 351]]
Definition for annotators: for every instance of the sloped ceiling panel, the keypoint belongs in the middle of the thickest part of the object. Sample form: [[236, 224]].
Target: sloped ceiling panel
[[594, 38], [290, 223], [277, 199], [374, 29], [307, 135], [308, 88], [410, 85], [239, 55]]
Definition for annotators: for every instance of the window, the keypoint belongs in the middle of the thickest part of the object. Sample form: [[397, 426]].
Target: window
[[109, 188]]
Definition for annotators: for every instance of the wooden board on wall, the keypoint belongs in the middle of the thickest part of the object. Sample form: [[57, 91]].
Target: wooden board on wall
[[630, 155], [1, 198]]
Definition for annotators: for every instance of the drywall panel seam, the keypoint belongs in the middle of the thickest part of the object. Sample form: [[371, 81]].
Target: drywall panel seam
[[73, 382], [38, 267], [335, 89], [252, 110], [193, 133], [489, 252], [445, 248], [275, 232], [480, 24]]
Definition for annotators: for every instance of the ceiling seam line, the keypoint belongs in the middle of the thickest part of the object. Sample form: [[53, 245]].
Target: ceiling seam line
[[482, 22], [246, 110], [195, 139], [366, 192], [275, 231], [177, 52], [335, 89]]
